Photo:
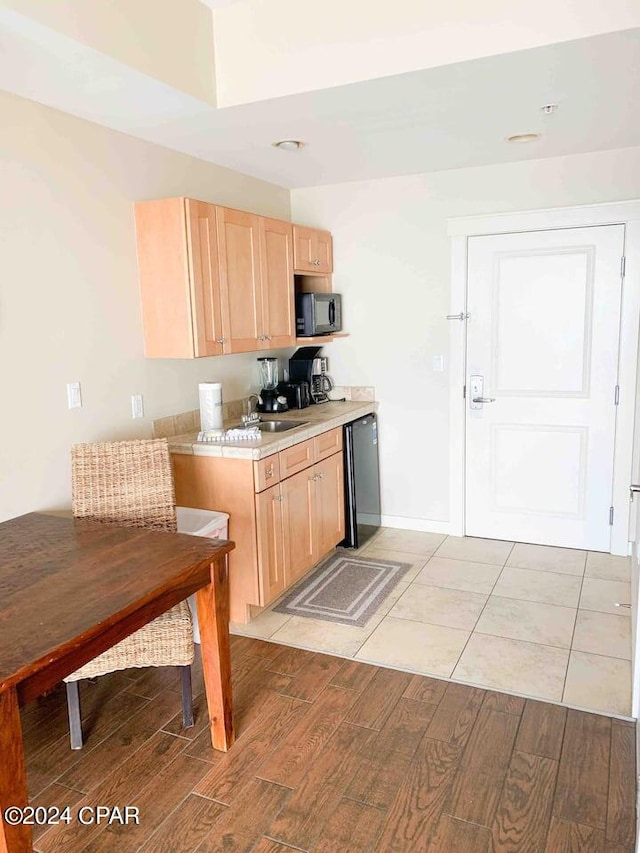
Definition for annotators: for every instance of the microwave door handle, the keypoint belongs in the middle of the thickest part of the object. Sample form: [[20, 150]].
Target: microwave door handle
[[332, 312]]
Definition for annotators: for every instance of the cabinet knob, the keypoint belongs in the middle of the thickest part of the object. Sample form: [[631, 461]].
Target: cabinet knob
[[278, 498], [269, 472], [320, 476], [221, 340], [316, 263]]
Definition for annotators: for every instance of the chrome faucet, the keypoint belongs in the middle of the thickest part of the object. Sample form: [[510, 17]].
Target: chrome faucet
[[252, 416]]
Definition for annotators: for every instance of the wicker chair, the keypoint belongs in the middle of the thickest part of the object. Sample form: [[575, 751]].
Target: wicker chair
[[130, 483]]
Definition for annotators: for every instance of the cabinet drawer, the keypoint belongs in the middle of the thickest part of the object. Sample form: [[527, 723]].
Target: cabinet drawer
[[328, 443], [296, 458], [266, 472]]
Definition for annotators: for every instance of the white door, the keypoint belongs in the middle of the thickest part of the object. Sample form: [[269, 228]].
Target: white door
[[542, 348]]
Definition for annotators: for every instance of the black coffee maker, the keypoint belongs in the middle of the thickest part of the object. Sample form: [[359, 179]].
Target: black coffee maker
[[306, 365]]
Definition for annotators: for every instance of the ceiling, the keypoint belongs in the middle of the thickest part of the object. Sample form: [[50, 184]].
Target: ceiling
[[441, 118]]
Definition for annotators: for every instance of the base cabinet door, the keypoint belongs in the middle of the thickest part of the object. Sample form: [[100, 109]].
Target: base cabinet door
[[299, 521], [330, 502], [271, 544]]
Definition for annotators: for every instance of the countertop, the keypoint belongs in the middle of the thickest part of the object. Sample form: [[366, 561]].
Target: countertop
[[318, 419]]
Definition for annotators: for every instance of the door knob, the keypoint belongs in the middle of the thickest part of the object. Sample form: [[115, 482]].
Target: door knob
[[634, 488], [476, 387]]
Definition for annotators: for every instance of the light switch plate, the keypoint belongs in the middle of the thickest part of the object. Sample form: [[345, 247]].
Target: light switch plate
[[438, 363], [74, 395], [137, 406]]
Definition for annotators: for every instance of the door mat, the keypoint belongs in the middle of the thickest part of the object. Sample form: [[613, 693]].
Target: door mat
[[344, 589]]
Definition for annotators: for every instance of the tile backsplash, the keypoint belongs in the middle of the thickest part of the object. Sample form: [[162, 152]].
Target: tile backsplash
[[355, 393], [190, 421], [233, 410]]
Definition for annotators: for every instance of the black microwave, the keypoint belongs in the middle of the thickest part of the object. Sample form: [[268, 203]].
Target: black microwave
[[318, 314]]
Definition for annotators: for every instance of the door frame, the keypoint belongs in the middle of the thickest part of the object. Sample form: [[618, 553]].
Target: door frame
[[459, 229]]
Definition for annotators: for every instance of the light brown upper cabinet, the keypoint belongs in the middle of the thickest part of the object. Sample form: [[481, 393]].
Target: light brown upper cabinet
[[278, 307], [312, 250], [179, 279], [213, 280], [240, 279]]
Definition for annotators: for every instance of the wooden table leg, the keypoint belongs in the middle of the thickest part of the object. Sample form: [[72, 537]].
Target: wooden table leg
[[212, 603], [13, 777]]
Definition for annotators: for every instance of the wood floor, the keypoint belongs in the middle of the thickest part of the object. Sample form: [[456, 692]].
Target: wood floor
[[333, 755]]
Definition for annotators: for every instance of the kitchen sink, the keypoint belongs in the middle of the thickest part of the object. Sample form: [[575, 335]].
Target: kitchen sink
[[279, 426], [273, 426]]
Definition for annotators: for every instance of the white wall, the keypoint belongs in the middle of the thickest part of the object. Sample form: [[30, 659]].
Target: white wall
[[69, 304], [391, 257]]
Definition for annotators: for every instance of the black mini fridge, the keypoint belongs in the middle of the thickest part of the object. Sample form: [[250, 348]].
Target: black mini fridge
[[361, 481]]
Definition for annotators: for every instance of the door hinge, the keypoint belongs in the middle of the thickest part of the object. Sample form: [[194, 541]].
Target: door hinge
[[464, 392], [610, 515], [616, 396], [623, 266]]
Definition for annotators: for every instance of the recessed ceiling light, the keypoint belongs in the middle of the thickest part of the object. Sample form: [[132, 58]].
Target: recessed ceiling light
[[289, 144], [524, 137], [548, 109]]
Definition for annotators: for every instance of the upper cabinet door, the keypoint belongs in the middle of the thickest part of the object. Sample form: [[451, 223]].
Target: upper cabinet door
[[324, 252], [312, 250], [208, 335], [303, 249], [240, 279], [278, 308], [179, 281]]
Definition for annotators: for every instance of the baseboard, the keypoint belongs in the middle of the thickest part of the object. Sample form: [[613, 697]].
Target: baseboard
[[425, 525]]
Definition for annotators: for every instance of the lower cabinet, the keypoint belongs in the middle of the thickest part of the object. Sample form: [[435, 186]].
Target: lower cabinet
[[271, 545], [299, 521], [286, 512], [330, 498]]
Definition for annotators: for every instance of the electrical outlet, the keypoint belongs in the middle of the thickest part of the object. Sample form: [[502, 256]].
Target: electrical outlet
[[74, 395], [137, 407]]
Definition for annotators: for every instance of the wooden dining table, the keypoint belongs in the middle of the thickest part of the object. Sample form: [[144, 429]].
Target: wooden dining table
[[69, 590]]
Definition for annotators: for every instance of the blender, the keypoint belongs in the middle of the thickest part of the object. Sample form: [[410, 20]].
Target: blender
[[271, 399]]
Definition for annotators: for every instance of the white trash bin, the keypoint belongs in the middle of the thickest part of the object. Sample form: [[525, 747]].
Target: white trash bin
[[201, 522]]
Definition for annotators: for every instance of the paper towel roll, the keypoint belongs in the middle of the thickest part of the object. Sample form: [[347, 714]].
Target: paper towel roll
[[210, 405]]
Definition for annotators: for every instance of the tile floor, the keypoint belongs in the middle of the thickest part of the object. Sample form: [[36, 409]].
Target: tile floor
[[527, 619]]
